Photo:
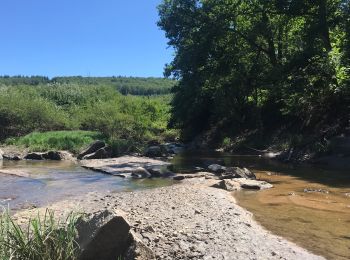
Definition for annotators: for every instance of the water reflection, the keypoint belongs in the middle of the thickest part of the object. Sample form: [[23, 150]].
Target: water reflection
[[46, 182], [309, 205]]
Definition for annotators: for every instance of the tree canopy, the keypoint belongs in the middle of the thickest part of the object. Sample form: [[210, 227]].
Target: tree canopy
[[252, 63]]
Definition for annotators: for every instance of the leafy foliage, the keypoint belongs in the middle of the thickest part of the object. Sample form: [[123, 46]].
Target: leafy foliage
[[125, 85], [258, 64], [56, 107]]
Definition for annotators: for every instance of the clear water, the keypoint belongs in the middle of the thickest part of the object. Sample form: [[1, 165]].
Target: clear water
[[317, 221], [49, 181]]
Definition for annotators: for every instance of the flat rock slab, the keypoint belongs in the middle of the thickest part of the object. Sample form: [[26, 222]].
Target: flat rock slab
[[16, 173], [123, 166], [253, 184]]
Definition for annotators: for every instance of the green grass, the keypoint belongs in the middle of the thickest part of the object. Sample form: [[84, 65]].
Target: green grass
[[73, 141], [43, 238]]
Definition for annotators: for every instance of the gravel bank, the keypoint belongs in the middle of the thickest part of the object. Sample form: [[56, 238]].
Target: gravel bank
[[193, 221]]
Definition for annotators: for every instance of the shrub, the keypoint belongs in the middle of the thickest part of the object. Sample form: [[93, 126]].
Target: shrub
[[57, 107]]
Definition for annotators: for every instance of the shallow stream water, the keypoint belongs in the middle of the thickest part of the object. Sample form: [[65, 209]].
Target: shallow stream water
[[308, 205], [48, 181]]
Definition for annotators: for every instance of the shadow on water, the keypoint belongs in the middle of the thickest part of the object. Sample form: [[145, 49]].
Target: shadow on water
[[186, 162], [309, 205]]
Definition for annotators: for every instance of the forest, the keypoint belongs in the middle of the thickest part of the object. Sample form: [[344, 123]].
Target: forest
[[259, 70], [125, 85]]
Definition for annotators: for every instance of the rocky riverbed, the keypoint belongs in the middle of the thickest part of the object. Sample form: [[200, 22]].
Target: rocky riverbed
[[190, 220]]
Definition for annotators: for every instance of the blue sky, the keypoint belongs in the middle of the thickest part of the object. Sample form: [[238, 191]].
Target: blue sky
[[81, 37]]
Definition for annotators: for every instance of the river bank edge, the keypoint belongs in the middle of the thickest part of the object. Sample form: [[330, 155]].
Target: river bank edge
[[331, 161], [173, 222]]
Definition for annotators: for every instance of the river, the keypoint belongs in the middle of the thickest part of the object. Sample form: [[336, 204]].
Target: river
[[45, 182], [308, 205]]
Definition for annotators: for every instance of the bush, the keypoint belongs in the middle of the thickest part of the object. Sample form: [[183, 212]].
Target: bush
[[62, 107]]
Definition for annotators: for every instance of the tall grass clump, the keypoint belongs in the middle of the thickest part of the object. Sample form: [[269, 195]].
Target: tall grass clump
[[72, 141], [43, 238]]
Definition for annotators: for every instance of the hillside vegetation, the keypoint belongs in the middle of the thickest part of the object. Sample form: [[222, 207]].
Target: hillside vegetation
[[259, 68], [125, 85], [124, 121]]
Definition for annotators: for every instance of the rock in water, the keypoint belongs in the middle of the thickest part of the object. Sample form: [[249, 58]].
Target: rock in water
[[228, 185], [102, 153], [159, 171], [95, 146], [254, 184], [12, 157], [34, 156], [179, 178], [172, 148], [153, 151], [140, 173], [52, 155], [216, 168], [236, 172], [123, 166], [237, 184]]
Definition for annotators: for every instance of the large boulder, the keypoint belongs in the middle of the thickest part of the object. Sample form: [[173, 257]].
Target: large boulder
[[103, 235], [106, 235], [94, 147], [172, 148], [124, 166], [159, 171], [238, 183], [138, 250], [216, 168], [52, 155], [102, 153], [254, 184], [228, 185], [153, 151], [34, 156], [236, 172], [1, 154], [140, 173], [12, 157]]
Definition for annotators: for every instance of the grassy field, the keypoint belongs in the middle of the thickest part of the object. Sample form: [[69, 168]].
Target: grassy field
[[73, 141]]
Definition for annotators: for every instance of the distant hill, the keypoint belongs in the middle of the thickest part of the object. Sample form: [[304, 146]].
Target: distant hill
[[125, 85]]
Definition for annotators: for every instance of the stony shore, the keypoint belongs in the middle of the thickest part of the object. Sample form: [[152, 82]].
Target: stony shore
[[190, 220]]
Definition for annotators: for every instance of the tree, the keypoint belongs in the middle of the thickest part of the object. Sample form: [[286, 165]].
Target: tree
[[240, 62]]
